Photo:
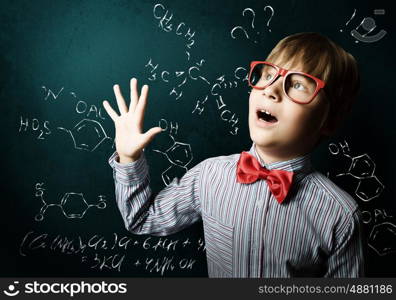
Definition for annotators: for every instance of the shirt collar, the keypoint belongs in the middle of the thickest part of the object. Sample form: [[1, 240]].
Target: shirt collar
[[301, 164]]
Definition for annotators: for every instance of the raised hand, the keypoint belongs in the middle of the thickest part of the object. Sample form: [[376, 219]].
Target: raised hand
[[129, 138]]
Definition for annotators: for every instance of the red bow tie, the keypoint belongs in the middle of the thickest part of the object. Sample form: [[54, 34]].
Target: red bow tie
[[249, 170]]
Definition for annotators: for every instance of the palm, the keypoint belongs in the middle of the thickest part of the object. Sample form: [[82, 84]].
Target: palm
[[130, 139], [128, 135]]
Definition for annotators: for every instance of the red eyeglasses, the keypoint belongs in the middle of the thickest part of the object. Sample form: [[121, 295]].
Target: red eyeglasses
[[299, 87]]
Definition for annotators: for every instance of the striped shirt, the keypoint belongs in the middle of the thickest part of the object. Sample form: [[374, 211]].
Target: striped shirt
[[315, 232]]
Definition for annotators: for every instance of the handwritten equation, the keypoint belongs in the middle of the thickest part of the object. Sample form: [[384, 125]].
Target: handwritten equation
[[101, 253]]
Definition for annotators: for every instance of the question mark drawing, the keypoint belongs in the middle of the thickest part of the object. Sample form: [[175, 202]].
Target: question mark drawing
[[272, 14], [251, 11], [253, 14], [241, 28], [247, 9]]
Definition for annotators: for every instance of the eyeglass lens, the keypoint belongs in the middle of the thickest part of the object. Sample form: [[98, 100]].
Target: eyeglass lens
[[297, 86]]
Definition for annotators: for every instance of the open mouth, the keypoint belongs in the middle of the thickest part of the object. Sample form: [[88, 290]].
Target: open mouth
[[266, 116]]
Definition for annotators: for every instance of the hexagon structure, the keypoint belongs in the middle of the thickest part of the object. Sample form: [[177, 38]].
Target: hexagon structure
[[74, 205], [362, 166], [180, 154], [369, 188], [174, 171], [382, 238], [88, 135]]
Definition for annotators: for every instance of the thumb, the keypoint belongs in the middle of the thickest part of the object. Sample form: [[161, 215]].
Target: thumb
[[150, 134]]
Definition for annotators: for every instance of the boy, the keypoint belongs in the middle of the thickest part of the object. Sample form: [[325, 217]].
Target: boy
[[266, 212]]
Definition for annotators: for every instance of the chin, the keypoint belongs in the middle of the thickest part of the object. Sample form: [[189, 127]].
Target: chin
[[260, 140]]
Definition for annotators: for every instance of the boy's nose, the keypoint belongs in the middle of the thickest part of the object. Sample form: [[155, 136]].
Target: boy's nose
[[274, 91]]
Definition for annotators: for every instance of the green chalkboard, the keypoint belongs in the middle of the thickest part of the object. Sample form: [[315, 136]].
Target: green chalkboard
[[59, 61]]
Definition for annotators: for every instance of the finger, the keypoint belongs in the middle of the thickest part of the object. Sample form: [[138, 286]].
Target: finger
[[141, 106], [110, 111], [120, 100], [134, 94], [150, 134]]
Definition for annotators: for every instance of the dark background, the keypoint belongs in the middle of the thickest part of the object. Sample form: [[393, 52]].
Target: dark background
[[79, 49]]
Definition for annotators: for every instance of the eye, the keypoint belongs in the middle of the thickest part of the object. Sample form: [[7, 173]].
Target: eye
[[267, 76], [298, 86]]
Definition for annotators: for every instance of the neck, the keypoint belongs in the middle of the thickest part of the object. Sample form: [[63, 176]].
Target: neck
[[270, 158]]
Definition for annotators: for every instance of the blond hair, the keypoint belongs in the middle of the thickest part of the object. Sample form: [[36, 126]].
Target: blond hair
[[326, 60]]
